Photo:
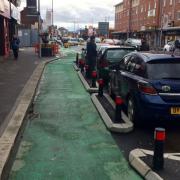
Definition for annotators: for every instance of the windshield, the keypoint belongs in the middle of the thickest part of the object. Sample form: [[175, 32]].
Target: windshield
[[97, 40], [164, 70], [116, 54]]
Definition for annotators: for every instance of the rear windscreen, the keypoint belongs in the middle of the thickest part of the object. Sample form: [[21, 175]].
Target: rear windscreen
[[165, 70], [114, 54]]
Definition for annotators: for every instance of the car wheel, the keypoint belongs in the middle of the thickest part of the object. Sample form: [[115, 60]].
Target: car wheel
[[110, 88], [132, 111]]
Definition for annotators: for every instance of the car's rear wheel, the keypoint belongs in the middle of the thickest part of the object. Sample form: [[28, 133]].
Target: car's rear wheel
[[132, 111], [110, 90]]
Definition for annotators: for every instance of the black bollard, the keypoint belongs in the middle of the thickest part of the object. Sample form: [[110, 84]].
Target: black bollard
[[158, 158], [118, 109], [77, 58], [87, 70], [81, 65], [101, 86], [94, 76]]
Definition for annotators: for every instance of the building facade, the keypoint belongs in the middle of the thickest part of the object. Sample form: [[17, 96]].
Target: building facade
[[30, 15], [157, 21], [4, 27], [9, 17]]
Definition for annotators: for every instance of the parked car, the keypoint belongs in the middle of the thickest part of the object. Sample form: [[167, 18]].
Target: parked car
[[59, 41], [108, 41], [73, 42], [118, 42], [139, 44], [169, 46], [81, 41], [149, 85], [110, 58], [97, 40], [65, 41]]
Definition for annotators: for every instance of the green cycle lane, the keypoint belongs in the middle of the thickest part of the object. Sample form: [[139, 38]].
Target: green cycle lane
[[67, 140]]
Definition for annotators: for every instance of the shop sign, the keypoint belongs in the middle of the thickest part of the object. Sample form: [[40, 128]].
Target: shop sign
[[175, 32], [6, 10], [15, 13]]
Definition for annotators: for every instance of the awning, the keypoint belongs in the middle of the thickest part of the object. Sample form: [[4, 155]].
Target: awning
[[119, 32]]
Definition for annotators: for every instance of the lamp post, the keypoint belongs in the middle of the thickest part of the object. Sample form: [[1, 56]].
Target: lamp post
[[39, 27]]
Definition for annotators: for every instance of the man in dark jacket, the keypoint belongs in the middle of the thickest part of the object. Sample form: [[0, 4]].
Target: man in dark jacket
[[91, 55]]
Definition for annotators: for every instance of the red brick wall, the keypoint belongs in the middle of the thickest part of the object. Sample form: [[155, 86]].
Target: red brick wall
[[140, 18]]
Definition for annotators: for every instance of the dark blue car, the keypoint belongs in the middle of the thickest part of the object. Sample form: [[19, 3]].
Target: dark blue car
[[149, 85]]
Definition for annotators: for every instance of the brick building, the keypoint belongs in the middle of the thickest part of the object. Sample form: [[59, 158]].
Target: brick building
[[155, 20]]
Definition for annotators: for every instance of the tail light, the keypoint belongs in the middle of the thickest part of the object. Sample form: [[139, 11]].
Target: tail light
[[94, 74], [146, 88]]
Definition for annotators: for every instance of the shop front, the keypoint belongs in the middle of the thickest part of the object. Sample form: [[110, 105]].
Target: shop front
[[171, 34], [4, 27]]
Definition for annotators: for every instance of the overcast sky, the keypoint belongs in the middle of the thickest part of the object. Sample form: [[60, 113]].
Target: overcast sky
[[82, 12]]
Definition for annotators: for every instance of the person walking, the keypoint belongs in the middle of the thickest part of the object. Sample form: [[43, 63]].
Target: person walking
[[91, 55], [15, 46]]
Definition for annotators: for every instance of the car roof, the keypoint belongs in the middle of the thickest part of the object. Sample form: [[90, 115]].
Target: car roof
[[120, 47], [154, 57]]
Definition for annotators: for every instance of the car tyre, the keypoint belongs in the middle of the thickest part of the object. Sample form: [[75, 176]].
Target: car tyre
[[110, 91], [132, 111]]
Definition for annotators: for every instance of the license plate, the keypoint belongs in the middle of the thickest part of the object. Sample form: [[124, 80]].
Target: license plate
[[175, 110]]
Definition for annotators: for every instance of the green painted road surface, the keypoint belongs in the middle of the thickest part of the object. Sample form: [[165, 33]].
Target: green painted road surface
[[67, 140]]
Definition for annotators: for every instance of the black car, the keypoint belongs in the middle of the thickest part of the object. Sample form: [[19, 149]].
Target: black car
[[149, 85], [139, 44], [110, 58]]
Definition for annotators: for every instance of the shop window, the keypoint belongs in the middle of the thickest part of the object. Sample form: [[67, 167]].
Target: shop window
[[178, 15]]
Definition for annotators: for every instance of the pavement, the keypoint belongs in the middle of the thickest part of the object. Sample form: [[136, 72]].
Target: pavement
[[14, 74], [66, 138]]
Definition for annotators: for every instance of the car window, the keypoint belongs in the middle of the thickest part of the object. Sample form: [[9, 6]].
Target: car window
[[117, 54], [139, 67], [124, 62], [131, 64]]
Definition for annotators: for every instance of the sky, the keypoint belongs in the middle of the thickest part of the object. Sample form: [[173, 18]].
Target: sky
[[74, 14]]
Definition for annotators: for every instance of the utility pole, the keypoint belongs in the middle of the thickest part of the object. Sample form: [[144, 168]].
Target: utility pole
[[161, 17], [74, 27], [52, 13], [129, 23], [39, 27]]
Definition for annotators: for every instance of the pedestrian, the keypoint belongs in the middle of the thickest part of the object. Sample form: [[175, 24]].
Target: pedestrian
[[176, 50], [91, 55], [15, 46]]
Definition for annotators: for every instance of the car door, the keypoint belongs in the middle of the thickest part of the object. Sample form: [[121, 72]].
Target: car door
[[129, 77], [116, 77]]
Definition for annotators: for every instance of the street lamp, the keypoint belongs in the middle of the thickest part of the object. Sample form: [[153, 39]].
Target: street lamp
[[39, 27]]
